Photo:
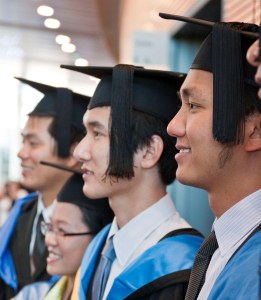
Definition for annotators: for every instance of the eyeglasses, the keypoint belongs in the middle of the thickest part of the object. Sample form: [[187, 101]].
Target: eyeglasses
[[49, 227]]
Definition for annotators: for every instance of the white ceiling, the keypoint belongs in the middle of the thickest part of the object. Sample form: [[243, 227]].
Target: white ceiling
[[98, 28], [23, 34]]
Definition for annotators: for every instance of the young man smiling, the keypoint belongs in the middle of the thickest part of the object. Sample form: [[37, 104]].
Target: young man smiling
[[51, 132], [128, 156], [218, 131]]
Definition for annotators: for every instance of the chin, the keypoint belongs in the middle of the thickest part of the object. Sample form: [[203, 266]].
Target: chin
[[92, 194], [29, 185], [186, 180], [53, 271]]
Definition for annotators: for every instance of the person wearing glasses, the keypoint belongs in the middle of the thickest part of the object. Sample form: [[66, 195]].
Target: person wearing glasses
[[74, 222], [52, 130]]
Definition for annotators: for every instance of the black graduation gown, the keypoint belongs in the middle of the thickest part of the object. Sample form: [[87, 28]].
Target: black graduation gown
[[19, 248]]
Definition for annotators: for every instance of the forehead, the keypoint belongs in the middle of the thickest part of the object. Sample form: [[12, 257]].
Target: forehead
[[96, 116], [36, 125], [198, 83], [66, 212]]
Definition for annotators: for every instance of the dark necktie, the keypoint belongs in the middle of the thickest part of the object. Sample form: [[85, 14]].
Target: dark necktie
[[200, 266], [38, 254], [103, 270]]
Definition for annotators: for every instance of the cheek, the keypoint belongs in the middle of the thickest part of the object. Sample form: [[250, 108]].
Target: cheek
[[40, 153], [72, 256], [102, 154]]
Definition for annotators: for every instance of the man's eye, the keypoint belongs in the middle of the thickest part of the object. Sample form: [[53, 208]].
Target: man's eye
[[33, 144], [192, 106], [60, 231], [96, 133]]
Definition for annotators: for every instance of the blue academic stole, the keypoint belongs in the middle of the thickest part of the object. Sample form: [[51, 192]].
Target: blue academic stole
[[7, 269], [172, 254], [241, 277]]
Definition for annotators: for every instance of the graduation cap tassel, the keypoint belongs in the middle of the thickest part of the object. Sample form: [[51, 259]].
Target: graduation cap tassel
[[63, 121], [228, 109], [121, 151]]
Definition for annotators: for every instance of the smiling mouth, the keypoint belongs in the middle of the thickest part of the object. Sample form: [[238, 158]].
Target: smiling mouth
[[26, 168], [87, 172], [53, 255], [184, 150]]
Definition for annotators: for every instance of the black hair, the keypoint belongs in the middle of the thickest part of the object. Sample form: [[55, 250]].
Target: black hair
[[144, 126], [95, 219], [76, 134]]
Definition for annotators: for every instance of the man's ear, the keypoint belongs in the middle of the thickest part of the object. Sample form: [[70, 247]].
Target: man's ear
[[151, 153], [253, 133]]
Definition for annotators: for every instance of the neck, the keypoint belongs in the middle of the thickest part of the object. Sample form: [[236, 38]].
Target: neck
[[240, 177], [222, 200], [128, 206]]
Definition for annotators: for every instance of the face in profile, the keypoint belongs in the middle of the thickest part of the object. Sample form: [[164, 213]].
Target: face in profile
[[66, 252], [93, 152], [201, 159], [38, 145]]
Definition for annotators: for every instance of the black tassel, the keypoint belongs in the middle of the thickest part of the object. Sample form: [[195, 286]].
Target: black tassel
[[63, 104], [228, 102], [121, 150]]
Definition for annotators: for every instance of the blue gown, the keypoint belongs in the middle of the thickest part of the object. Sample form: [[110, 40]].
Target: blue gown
[[169, 261], [15, 237], [241, 277]]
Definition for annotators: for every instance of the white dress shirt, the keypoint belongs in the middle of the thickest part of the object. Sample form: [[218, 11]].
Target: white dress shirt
[[47, 212], [141, 233], [231, 229]]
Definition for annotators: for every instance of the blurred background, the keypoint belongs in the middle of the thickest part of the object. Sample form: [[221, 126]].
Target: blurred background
[[36, 36]]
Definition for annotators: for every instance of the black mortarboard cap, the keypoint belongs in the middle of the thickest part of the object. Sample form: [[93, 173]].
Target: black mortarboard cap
[[223, 53], [127, 87], [65, 106]]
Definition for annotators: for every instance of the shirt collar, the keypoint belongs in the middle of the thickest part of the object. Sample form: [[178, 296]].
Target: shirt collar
[[46, 211], [238, 222], [127, 239]]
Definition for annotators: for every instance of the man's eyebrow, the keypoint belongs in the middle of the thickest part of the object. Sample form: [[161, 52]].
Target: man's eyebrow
[[96, 124], [186, 92], [28, 135]]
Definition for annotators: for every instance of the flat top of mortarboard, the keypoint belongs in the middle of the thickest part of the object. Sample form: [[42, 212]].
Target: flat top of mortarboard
[[200, 22], [100, 72], [45, 88], [154, 91]]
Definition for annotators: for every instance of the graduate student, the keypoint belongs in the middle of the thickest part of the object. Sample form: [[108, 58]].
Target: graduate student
[[74, 222], [128, 156], [254, 58], [218, 131], [52, 130]]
